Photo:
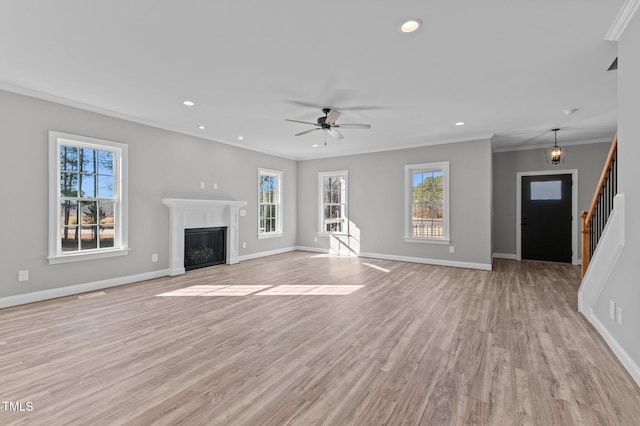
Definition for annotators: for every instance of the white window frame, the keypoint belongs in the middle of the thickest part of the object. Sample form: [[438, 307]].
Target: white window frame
[[409, 169], [120, 173], [321, 177], [278, 203]]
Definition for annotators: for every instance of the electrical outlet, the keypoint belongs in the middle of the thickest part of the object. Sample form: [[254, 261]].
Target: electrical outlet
[[612, 309], [215, 186], [244, 245], [23, 275], [243, 212], [315, 239], [201, 185], [451, 249], [154, 257], [619, 315]]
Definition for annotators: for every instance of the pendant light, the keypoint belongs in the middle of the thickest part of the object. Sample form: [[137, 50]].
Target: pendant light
[[555, 155]]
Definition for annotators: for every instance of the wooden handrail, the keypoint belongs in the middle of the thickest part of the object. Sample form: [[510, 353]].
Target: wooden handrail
[[588, 215], [603, 177]]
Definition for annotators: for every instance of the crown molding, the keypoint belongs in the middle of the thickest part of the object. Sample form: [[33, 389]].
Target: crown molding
[[622, 20], [548, 145]]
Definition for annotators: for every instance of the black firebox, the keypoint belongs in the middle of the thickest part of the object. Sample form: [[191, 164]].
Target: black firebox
[[204, 247]]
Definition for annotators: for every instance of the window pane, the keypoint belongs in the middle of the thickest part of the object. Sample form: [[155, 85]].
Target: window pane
[[68, 158], [105, 186], [105, 163], [68, 235], [68, 184], [89, 212], [106, 212], [68, 213], [87, 186], [87, 160], [88, 237], [107, 236], [548, 190]]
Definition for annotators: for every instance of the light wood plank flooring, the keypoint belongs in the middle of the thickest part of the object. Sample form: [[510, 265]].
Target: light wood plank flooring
[[418, 344]]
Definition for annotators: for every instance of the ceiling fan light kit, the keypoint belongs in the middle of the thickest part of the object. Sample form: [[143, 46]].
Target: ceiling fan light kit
[[329, 125]]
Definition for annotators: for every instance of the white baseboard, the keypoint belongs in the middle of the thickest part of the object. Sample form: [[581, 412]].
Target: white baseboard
[[313, 249], [439, 262], [265, 253], [627, 361], [511, 256], [38, 296]]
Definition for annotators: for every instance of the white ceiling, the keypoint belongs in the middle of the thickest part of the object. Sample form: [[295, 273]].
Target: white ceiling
[[508, 68]]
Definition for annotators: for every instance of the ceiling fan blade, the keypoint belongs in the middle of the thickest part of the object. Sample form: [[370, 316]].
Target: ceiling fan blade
[[332, 116], [335, 134], [307, 131], [353, 126], [303, 122]]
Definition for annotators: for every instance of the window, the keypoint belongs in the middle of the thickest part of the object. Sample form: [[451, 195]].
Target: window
[[333, 202], [87, 198], [427, 202], [269, 203]]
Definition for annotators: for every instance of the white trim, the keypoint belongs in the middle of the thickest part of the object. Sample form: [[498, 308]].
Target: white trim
[[120, 175], [627, 360], [438, 262], [38, 296], [279, 207], [546, 145], [109, 113], [622, 20], [476, 138], [266, 253], [89, 255], [313, 249], [574, 208], [199, 213], [408, 203], [511, 256], [605, 257], [321, 176]]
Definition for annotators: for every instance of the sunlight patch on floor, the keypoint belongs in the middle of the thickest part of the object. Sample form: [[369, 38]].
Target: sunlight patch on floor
[[264, 290]]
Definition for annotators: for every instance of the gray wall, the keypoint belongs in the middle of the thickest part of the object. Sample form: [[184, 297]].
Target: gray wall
[[587, 159], [623, 285], [162, 164], [376, 201]]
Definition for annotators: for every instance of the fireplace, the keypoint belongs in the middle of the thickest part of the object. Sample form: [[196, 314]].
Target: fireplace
[[189, 214], [204, 247]]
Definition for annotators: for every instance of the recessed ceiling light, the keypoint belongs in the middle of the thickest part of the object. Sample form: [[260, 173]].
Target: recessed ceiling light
[[201, 127], [315, 145], [460, 123], [410, 25], [240, 138], [188, 103]]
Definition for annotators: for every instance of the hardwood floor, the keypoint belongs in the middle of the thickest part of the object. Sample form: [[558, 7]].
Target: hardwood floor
[[417, 344]]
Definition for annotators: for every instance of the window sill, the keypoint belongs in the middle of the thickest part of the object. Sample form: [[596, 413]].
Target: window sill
[[270, 235], [427, 240], [78, 257]]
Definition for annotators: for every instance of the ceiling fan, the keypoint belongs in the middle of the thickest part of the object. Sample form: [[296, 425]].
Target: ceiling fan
[[328, 124]]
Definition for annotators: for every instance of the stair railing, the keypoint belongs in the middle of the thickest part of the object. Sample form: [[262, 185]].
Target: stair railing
[[595, 219]]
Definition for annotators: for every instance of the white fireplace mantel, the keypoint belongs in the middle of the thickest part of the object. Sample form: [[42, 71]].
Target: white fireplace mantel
[[185, 214]]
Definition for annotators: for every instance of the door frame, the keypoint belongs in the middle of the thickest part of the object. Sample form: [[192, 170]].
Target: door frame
[[574, 209]]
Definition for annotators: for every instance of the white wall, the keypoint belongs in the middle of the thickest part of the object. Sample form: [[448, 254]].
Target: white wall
[[162, 164], [376, 202], [623, 285]]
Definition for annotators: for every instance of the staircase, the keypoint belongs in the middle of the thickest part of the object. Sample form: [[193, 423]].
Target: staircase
[[595, 219]]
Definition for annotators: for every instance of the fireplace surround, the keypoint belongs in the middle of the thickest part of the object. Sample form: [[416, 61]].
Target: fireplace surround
[[193, 213]]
